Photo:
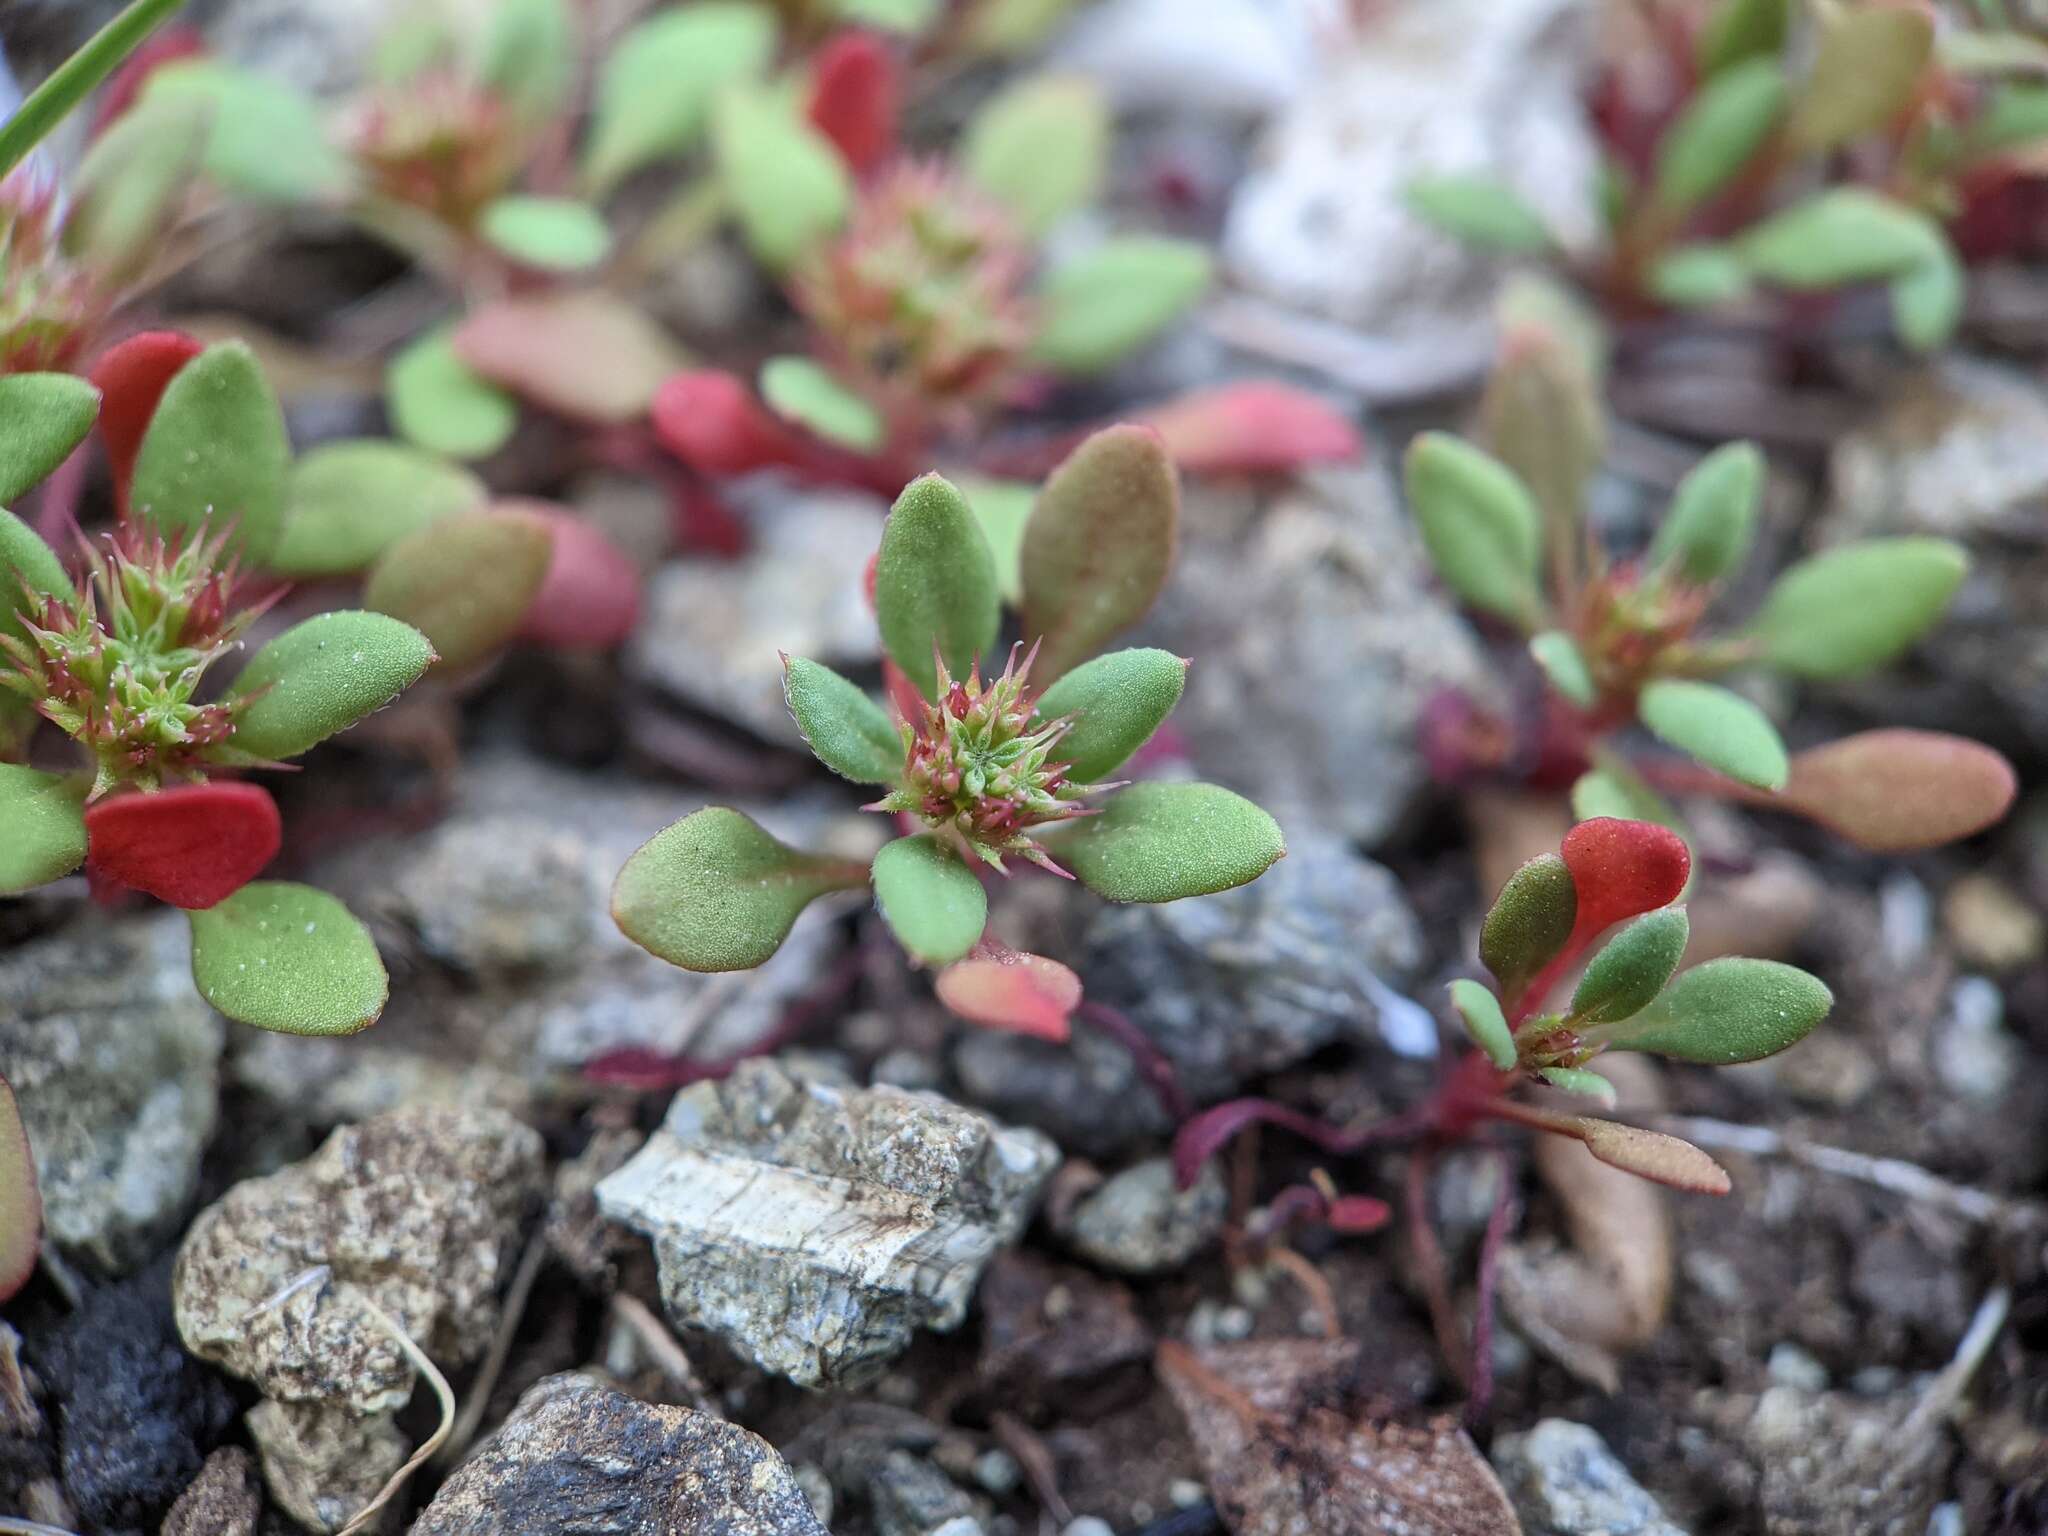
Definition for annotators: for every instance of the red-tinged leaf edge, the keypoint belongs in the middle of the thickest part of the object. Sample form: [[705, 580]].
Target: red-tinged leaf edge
[[1899, 791], [712, 422], [1620, 869], [1648, 1155], [857, 98], [131, 378], [192, 847], [1258, 427], [1002, 988], [21, 1201], [124, 87], [590, 597]]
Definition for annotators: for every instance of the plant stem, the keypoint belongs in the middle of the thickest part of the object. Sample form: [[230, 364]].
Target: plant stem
[[75, 78]]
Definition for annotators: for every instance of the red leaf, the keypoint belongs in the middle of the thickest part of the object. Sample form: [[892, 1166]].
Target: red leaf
[[131, 378], [585, 355], [21, 1202], [1002, 988], [193, 846], [1621, 869], [591, 593], [1355, 1215], [1256, 428], [124, 86], [856, 97], [1897, 791], [701, 521], [712, 422]]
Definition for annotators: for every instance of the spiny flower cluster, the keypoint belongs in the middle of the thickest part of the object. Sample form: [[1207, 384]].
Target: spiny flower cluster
[[923, 295], [439, 143], [1631, 628], [978, 770], [119, 668], [48, 304]]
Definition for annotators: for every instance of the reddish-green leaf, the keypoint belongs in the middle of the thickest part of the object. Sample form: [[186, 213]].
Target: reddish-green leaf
[[1652, 1155], [1869, 68], [21, 1202], [935, 583], [591, 594], [1000, 988], [1896, 791], [131, 378], [1529, 923], [192, 846], [1098, 546], [1620, 869], [1726, 1011], [714, 892], [346, 503], [1258, 427], [585, 355], [465, 582]]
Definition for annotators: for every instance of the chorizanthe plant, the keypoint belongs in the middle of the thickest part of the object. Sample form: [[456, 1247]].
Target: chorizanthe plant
[[1623, 642], [122, 667], [984, 766], [1750, 153]]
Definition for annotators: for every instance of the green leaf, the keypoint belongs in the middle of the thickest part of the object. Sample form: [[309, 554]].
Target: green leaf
[[782, 178], [1631, 968], [1098, 546], [1712, 521], [290, 958], [935, 583], [45, 821], [529, 56], [1579, 1080], [27, 565], [1852, 609], [911, 16], [1927, 300], [1721, 729], [1006, 28], [801, 391], [437, 402], [655, 92], [1039, 148], [1003, 508], [216, 453], [43, 416], [1529, 922], [1558, 655], [714, 892], [1741, 29], [1117, 702], [346, 503], [1616, 792], [1841, 236], [1718, 133], [1106, 304], [75, 79], [1479, 210], [1163, 842], [465, 582], [932, 902], [1727, 1011], [323, 675], [1868, 70], [548, 234], [1485, 1023], [1698, 277], [847, 731], [1479, 524], [129, 184], [268, 143]]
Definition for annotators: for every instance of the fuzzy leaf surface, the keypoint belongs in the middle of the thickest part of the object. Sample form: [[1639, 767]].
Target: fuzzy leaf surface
[[131, 377], [44, 817], [1485, 1022], [933, 903], [935, 583], [1727, 1011], [43, 416], [1163, 842], [848, 731], [1117, 702], [1721, 729], [346, 503], [1529, 922], [1099, 545], [323, 675], [216, 453], [27, 565], [1852, 609], [1898, 791], [715, 892], [1632, 967], [191, 846], [289, 958], [1652, 1155], [1479, 523]]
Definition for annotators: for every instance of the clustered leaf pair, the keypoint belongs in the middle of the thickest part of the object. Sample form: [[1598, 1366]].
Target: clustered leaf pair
[[120, 667], [1619, 640], [1724, 166], [991, 765]]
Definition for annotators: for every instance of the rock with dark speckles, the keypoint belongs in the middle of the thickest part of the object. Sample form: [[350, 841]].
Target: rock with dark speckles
[[578, 1456], [224, 1500]]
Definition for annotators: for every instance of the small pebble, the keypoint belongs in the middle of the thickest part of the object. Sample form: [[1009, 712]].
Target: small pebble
[[1791, 1366], [1088, 1525]]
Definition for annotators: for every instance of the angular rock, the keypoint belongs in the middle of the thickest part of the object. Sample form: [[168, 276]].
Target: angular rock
[[911, 1497], [1428, 87], [1229, 988], [416, 1211], [492, 895], [323, 1463], [1566, 1482], [816, 1226], [713, 633], [579, 1456], [1140, 1223], [1835, 1464], [137, 1415], [116, 1063], [224, 1500]]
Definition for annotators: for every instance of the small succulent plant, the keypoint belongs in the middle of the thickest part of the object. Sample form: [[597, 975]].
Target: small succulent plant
[[1748, 153], [121, 668], [984, 766], [1623, 642]]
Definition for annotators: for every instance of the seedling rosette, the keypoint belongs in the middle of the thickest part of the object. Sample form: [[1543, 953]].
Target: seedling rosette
[[990, 767], [1624, 643]]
